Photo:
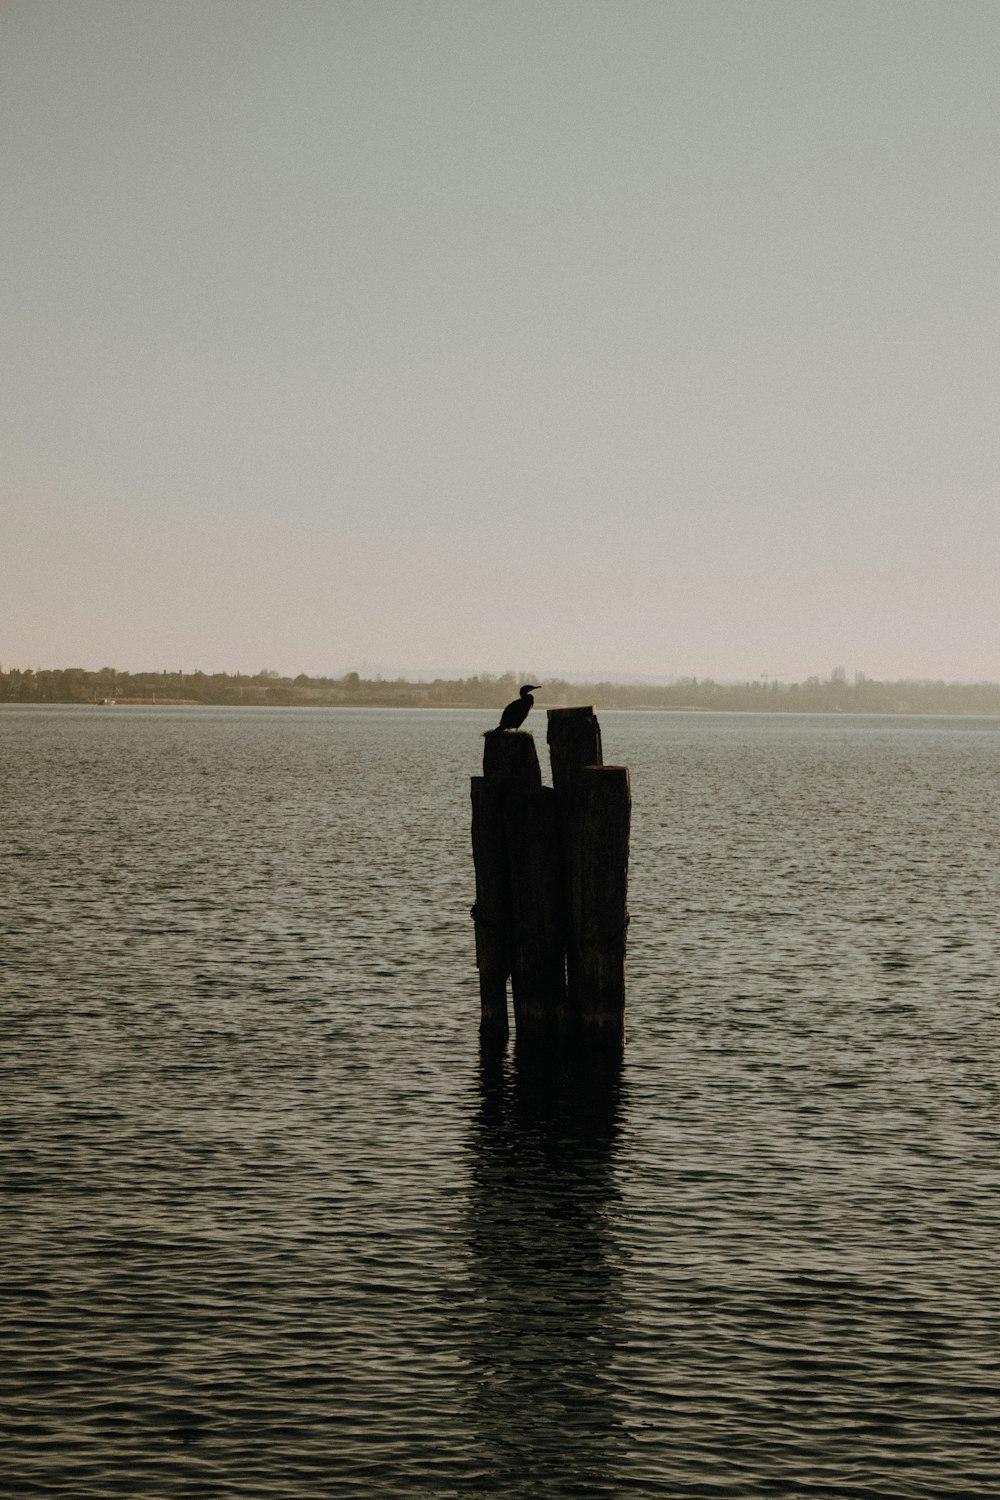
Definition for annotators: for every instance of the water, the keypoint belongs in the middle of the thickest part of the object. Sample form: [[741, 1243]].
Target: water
[[273, 1227]]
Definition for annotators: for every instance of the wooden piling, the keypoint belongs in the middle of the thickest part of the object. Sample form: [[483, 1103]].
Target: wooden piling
[[551, 881], [510, 760], [510, 768], [595, 804], [538, 946], [597, 875], [574, 739], [491, 912]]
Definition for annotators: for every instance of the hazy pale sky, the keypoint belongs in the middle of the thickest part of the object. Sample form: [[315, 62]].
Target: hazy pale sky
[[595, 336]]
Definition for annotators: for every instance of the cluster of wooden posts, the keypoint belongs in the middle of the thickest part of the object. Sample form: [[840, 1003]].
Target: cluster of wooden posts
[[551, 880]]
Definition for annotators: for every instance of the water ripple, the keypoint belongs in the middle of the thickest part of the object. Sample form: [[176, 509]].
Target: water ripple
[[274, 1226]]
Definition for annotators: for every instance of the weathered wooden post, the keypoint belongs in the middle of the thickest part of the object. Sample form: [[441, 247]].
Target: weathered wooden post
[[574, 739], [538, 951], [595, 804], [510, 769], [598, 894], [551, 878], [510, 761], [491, 912]]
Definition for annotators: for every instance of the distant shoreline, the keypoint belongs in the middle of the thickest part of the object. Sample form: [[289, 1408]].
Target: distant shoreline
[[833, 695]]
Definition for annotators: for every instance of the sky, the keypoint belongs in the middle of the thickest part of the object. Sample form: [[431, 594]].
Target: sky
[[607, 337]]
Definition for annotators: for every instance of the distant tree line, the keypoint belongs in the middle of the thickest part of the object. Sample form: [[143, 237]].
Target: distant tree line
[[835, 694]]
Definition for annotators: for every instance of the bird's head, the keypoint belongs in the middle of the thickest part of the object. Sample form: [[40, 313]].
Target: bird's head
[[530, 687]]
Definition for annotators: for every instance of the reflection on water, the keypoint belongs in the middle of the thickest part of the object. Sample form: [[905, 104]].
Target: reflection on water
[[546, 1270]]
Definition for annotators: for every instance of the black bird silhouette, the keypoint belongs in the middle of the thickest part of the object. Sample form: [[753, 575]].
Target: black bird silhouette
[[515, 713]]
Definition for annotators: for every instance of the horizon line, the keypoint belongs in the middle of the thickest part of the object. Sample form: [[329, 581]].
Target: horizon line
[[416, 677]]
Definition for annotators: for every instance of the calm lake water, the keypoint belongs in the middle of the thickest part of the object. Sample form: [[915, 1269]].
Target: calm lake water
[[274, 1228]]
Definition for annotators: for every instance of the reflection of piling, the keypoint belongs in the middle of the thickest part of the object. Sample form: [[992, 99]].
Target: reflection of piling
[[546, 1271], [551, 877]]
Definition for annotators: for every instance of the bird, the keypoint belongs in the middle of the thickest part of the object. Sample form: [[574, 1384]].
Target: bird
[[515, 713]]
